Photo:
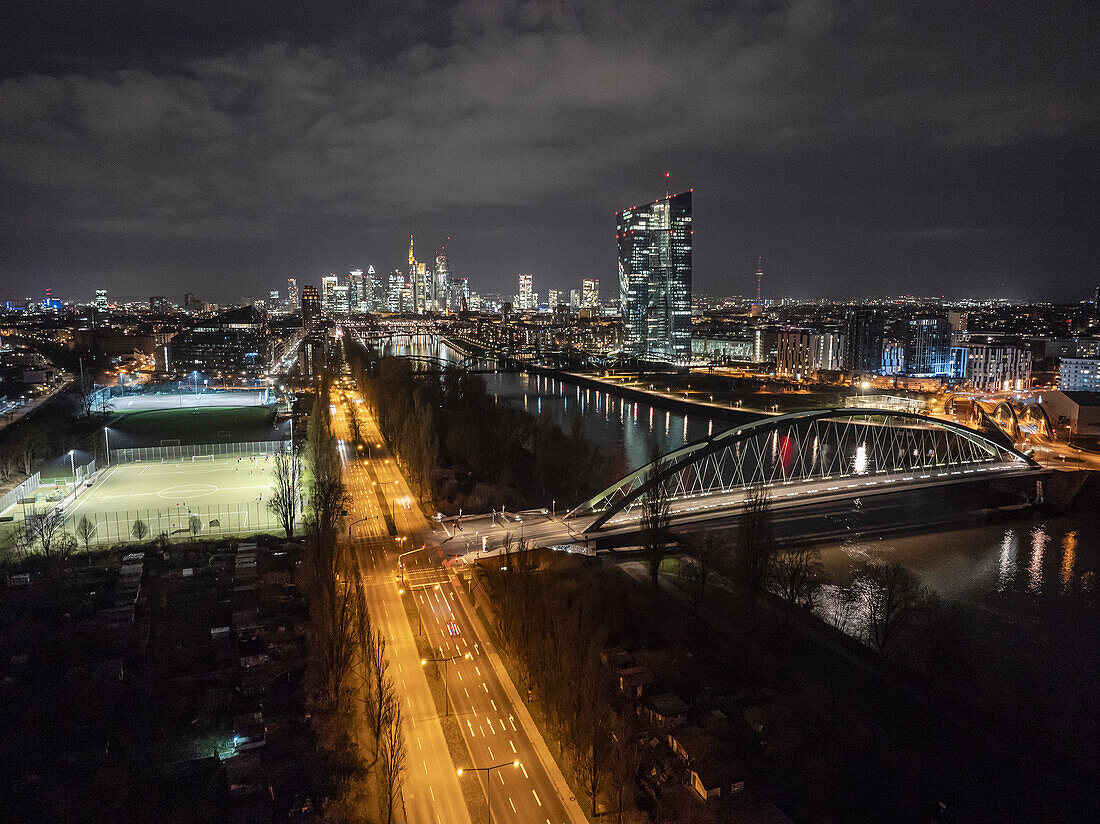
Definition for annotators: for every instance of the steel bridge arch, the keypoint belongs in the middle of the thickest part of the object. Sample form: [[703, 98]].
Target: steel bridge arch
[[1033, 412], [901, 442]]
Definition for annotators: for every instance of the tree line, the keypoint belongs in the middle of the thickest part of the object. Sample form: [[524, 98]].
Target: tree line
[[348, 684], [462, 450], [555, 628]]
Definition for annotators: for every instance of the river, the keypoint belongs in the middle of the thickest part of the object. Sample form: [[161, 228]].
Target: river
[[1011, 566]]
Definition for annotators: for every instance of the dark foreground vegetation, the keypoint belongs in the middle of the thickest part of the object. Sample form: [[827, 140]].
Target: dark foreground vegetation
[[730, 659]]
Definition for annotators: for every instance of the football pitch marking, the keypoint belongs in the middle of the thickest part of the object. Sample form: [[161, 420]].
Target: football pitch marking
[[188, 490]]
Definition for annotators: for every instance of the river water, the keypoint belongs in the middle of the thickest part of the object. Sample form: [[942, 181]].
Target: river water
[[1011, 566]]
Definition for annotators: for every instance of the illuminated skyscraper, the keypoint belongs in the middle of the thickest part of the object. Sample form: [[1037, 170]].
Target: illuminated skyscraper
[[311, 306], [101, 300], [357, 291], [328, 293], [590, 293], [655, 278], [292, 294], [440, 283], [526, 293]]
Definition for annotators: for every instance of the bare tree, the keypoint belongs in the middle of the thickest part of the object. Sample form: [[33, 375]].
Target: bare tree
[[286, 494], [795, 576], [890, 598], [702, 554], [85, 529], [194, 526], [139, 529], [655, 521], [755, 543], [394, 756], [30, 446], [43, 529], [380, 689]]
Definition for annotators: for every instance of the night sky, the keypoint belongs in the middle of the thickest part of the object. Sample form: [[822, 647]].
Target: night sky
[[872, 148]]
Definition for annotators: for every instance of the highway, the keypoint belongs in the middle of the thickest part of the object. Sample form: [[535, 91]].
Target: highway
[[431, 794], [495, 724]]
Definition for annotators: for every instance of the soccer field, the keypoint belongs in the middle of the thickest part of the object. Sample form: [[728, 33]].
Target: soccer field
[[226, 494]]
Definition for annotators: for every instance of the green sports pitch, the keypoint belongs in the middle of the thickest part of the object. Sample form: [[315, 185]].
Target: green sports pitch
[[202, 497]]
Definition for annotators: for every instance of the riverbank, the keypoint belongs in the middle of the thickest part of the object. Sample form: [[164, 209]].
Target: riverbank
[[661, 400]]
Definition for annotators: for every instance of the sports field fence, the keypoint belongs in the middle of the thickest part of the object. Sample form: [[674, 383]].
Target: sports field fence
[[199, 522], [199, 451], [24, 490]]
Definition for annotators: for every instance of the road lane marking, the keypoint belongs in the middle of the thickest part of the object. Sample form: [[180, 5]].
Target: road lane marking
[[536, 795], [513, 746], [524, 770]]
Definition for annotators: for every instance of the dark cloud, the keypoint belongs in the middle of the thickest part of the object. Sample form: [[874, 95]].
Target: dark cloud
[[856, 146]]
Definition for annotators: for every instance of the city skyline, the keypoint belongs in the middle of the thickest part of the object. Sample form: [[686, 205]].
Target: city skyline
[[845, 147]]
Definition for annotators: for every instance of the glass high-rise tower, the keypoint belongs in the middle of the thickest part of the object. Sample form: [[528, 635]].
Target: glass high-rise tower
[[655, 278]]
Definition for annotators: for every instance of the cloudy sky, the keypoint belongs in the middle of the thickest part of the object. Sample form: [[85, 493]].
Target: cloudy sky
[[935, 148]]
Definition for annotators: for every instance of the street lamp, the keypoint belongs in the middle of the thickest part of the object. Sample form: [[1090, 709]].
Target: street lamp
[[445, 661], [72, 465], [488, 787]]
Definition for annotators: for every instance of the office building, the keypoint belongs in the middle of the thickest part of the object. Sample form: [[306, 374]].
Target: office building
[[864, 341], [526, 297], [311, 306], [590, 293], [441, 283], [101, 300], [800, 354], [357, 291], [341, 299], [159, 304], [1079, 375], [654, 242], [292, 304], [393, 293], [235, 343], [997, 367], [374, 301], [328, 293], [927, 351], [552, 298], [574, 298]]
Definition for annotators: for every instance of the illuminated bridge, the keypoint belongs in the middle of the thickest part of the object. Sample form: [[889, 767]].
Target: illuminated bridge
[[805, 453], [801, 457]]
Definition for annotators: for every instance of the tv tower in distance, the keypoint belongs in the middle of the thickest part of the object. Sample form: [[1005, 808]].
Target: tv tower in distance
[[758, 306]]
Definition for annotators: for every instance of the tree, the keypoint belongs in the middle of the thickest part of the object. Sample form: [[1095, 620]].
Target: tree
[[795, 576], [43, 528], [655, 522], [393, 759], [194, 526], [286, 494], [702, 553], [381, 693], [755, 543], [890, 598], [30, 447], [139, 529], [85, 529]]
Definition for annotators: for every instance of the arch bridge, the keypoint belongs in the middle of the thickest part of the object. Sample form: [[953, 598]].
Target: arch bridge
[[830, 452]]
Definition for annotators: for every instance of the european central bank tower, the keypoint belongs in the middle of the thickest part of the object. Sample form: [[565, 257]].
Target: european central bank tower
[[655, 278]]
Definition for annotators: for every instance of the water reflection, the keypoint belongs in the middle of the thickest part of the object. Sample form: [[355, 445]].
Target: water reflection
[[630, 436], [1039, 540], [1006, 570]]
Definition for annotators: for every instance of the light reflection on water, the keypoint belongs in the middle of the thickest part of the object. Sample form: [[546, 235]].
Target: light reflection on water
[[1056, 558]]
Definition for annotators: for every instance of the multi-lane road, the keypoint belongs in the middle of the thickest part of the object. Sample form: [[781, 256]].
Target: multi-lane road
[[495, 724]]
